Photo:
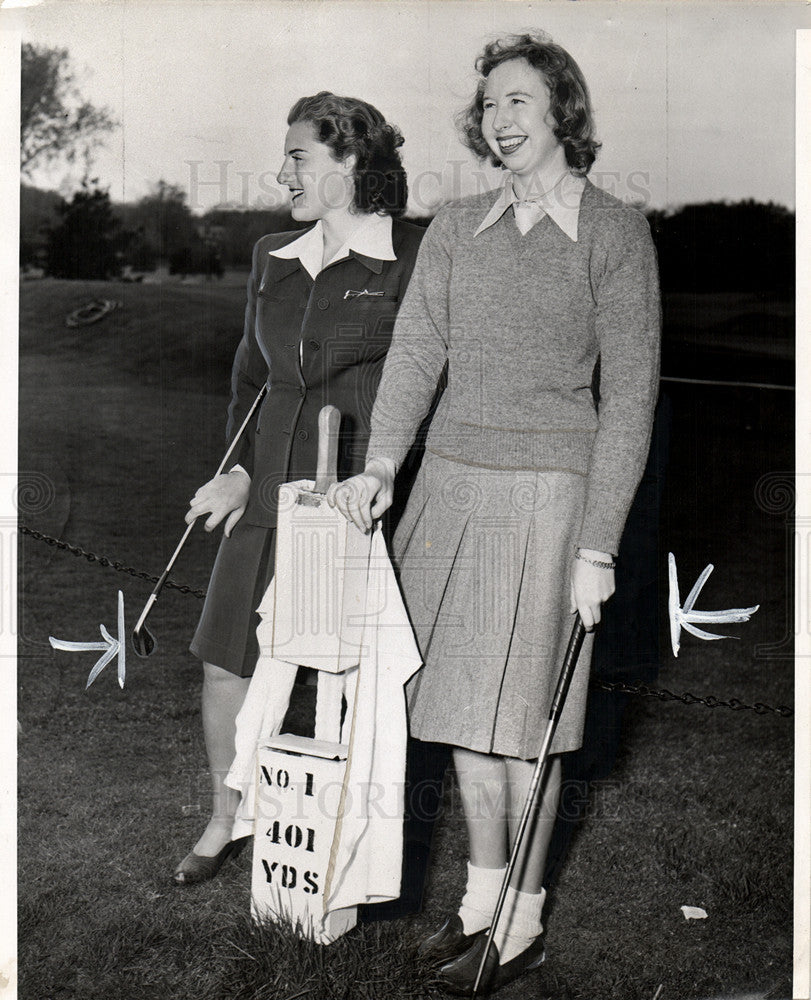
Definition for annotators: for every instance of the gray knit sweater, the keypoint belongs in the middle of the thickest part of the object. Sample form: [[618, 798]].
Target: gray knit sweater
[[521, 321]]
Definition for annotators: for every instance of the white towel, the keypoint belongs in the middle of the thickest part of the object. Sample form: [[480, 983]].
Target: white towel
[[260, 718], [366, 857], [367, 852]]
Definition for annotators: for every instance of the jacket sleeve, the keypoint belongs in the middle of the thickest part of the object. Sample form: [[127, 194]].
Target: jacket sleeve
[[628, 328], [248, 375], [418, 351]]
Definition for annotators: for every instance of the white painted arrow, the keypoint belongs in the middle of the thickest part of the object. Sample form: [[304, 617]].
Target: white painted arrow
[[683, 617], [112, 647]]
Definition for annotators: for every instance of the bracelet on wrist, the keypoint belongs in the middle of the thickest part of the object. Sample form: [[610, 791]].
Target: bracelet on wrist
[[599, 563]]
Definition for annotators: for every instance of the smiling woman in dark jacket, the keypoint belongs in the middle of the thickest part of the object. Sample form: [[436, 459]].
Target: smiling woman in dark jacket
[[318, 323]]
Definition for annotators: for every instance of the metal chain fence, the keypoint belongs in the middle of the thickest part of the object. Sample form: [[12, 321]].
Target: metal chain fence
[[692, 699], [662, 694], [77, 550]]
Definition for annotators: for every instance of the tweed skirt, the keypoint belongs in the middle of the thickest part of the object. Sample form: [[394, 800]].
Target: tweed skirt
[[226, 632], [485, 561]]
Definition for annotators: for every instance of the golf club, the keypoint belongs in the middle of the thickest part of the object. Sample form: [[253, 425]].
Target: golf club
[[562, 689], [143, 642]]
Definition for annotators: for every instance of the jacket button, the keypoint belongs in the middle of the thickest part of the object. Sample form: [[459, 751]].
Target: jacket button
[[315, 345], [323, 303], [303, 435]]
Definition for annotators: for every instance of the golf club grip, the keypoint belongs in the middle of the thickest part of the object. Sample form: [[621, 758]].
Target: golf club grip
[[567, 670], [329, 425]]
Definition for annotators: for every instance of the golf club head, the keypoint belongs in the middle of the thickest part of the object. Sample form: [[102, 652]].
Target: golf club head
[[143, 642]]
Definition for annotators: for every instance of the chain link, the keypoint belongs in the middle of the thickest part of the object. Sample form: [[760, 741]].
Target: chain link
[[692, 699], [91, 557], [641, 689]]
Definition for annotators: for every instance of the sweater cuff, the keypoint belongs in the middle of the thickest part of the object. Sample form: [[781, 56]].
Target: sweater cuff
[[602, 533], [388, 464]]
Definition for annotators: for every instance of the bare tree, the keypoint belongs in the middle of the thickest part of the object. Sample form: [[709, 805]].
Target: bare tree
[[55, 121]]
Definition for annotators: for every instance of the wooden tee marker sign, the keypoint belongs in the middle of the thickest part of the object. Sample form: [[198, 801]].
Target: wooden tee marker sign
[[298, 793], [313, 616]]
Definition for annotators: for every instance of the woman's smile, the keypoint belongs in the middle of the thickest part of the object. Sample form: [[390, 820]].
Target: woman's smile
[[508, 144], [318, 183], [518, 124]]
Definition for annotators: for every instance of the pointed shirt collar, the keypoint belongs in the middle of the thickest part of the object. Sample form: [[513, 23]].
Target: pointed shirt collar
[[371, 241], [562, 204]]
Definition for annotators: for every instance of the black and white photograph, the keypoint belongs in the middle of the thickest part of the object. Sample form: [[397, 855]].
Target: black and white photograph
[[401, 551]]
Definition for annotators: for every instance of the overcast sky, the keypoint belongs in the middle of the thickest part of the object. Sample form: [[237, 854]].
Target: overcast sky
[[694, 101]]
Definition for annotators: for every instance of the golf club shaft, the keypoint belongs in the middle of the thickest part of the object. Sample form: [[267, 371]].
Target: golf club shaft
[[259, 397], [530, 804], [162, 579]]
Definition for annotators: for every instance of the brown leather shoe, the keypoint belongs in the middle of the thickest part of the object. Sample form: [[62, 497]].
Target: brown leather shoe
[[448, 942], [458, 976], [199, 868]]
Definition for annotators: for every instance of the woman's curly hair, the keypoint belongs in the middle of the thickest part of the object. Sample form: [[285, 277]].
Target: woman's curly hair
[[351, 126], [568, 95]]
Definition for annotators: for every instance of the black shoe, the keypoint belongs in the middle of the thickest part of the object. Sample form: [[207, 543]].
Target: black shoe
[[458, 976], [198, 868], [448, 942]]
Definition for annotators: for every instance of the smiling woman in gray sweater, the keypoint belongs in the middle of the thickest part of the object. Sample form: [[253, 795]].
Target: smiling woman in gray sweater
[[543, 301]]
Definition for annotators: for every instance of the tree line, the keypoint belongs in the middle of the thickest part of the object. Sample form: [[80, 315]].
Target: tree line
[[710, 247], [726, 247], [88, 236]]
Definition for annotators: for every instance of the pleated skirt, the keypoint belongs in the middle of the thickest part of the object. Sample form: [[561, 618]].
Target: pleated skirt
[[485, 561], [226, 632]]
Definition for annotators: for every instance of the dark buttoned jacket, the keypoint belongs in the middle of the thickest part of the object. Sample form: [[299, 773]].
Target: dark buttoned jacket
[[314, 341]]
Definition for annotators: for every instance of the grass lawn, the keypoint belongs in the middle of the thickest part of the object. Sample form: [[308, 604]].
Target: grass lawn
[[120, 422]]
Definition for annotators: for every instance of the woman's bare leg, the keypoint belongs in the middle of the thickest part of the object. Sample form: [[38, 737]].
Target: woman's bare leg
[[223, 695], [481, 778], [520, 925], [482, 786], [531, 864]]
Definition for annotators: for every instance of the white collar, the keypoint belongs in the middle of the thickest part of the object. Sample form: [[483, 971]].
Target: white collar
[[561, 204], [371, 238]]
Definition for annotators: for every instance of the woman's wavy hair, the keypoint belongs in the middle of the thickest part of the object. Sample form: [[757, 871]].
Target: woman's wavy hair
[[568, 94], [348, 125]]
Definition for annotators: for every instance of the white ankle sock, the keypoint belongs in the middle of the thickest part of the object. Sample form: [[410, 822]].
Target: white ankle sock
[[519, 923], [480, 898]]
